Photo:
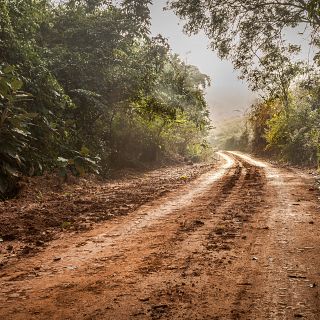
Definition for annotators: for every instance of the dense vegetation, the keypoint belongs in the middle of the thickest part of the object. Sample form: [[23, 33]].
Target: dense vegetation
[[285, 121], [83, 86], [291, 132]]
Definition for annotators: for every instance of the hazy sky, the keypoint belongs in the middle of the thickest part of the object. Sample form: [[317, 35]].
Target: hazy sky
[[227, 92]]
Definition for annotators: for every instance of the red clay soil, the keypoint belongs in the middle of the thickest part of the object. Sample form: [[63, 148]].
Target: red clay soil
[[239, 242], [45, 207]]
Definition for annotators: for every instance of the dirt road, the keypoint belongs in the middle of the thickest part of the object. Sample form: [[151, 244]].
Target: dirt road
[[240, 242]]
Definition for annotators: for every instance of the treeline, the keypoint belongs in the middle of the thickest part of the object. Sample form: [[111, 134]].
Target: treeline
[[83, 86], [288, 133], [285, 122]]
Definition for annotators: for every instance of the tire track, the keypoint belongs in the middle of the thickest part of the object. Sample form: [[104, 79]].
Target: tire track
[[208, 244], [283, 280], [197, 254], [71, 264]]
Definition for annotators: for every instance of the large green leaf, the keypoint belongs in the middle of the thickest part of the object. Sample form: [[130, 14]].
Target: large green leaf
[[16, 84]]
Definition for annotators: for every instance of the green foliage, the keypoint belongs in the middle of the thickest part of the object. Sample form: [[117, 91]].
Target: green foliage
[[285, 122], [313, 8], [291, 134], [78, 164], [15, 122], [95, 78], [246, 31], [295, 134], [260, 113]]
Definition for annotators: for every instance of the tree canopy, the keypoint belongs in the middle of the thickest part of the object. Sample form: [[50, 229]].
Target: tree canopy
[[253, 35], [245, 30], [83, 86]]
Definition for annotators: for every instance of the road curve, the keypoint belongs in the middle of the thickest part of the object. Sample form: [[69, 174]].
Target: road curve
[[240, 242]]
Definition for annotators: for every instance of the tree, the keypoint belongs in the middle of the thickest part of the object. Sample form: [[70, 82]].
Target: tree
[[274, 72], [241, 30], [103, 91], [15, 124]]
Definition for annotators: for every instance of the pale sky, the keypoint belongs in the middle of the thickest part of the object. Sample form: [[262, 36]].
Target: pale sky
[[227, 92]]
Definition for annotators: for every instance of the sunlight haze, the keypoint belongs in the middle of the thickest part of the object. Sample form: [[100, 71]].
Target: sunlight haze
[[227, 93]]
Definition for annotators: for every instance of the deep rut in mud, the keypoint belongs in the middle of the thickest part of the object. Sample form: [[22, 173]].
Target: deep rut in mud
[[211, 250]]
